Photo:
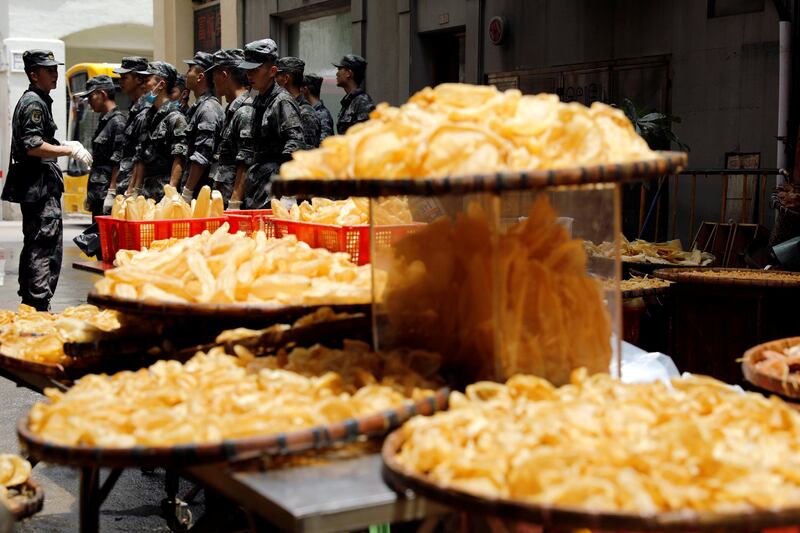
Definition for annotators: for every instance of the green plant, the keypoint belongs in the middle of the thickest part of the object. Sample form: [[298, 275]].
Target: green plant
[[654, 127]]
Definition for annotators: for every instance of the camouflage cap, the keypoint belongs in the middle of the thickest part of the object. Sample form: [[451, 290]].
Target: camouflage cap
[[291, 64], [259, 52], [39, 58], [313, 80], [180, 80], [353, 62], [135, 64], [204, 60], [163, 70], [228, 57], [98, 83]]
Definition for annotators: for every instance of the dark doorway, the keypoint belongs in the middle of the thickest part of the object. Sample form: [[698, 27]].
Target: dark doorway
[[444, 55]]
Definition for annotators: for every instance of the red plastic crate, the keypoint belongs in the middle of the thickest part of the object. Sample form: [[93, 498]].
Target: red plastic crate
[[116, 234], [351, 239], [249, 221]]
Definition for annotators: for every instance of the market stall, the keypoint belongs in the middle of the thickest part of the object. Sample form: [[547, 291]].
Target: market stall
[[451, 296]]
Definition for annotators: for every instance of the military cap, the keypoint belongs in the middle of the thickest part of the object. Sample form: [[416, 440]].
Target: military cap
[[353, 62], [228, 57], [163, 70], [204, 60], [291, 64], [313, 80], [39, 58], [135, 64], [180, 80], [98, 83], [259, 52]]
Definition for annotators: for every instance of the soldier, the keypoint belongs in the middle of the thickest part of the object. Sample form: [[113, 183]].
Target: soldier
[[100, 92], [276, 129], [135, 82], [206, 119], [356, 104], [180, 95], [35, 181], [161, 152], [290, 77], [312, 84], [231, 82]]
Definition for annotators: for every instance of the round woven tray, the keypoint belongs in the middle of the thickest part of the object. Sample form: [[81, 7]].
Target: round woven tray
[[50, 370], [640, 293], [684, 275], [228, 450], [240, 314], [667, 163], [402, 479], [28, 501], [790, 388]]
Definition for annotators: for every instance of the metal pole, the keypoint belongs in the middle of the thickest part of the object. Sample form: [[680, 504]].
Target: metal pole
[[784, 81]]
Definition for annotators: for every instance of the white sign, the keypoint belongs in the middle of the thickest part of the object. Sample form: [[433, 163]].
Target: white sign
[[17, 65]]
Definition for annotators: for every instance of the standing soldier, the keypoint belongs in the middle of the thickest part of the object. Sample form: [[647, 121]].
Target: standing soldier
[[109, 133], [135, 82], [356, 104], [231, 82], [180, 95], [312, 85], [276, 128], [161, 152], [35, 180], [290, 77], [206, 119]]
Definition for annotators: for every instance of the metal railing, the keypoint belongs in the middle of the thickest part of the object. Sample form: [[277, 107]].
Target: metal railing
[[681, 193]]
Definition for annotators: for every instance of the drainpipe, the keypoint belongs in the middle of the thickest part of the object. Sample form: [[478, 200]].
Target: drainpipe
[[784, 81]]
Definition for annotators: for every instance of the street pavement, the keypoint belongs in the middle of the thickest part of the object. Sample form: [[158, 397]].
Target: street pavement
[[134, 504]]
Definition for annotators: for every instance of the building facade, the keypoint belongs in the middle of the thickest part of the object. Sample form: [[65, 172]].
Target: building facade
[[711, 63]]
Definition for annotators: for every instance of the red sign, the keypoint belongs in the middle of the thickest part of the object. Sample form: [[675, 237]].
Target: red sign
[[497, 30], [207, 29]]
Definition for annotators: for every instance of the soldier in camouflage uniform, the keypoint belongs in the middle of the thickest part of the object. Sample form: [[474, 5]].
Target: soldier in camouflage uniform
[[356, 104], [100, 92], [35, 181], [312, 84], [136, 83], [161, 152], [276, 131], [231, 82], [290, 77], [180, 95], [206, 120]]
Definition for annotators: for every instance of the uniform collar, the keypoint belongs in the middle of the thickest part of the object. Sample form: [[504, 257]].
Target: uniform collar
[[300, 99], [203, 97], [348, 97], [43, 95], [110, 114], [319, 105]]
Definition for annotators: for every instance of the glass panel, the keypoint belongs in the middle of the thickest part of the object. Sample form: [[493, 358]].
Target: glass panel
[[501, 284], [319, 42]]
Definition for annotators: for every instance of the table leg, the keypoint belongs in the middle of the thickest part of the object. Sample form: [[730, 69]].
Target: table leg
[[89, 510]]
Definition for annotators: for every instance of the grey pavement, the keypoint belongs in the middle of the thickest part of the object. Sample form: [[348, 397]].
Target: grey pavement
[[133, 505]]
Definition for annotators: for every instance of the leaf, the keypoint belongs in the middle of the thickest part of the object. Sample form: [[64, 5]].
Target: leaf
[[652, 117]]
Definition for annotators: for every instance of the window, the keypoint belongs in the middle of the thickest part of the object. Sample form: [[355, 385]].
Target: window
[[723, 8], [320, 42]]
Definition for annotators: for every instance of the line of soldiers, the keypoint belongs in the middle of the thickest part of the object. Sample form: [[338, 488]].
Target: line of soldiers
[[273, 110]]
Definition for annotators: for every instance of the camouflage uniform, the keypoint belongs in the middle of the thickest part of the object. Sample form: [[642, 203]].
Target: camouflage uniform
[[231, 151], [206, 120], [104, 144], [356, 108], [128, 141], [325, 120], [276, 132], [162, 140], [310, 121], [36, 184]]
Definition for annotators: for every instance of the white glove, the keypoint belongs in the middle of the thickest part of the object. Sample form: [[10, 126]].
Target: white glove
[[79, 153], [108, 203], [187, 195], [234, 205]]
